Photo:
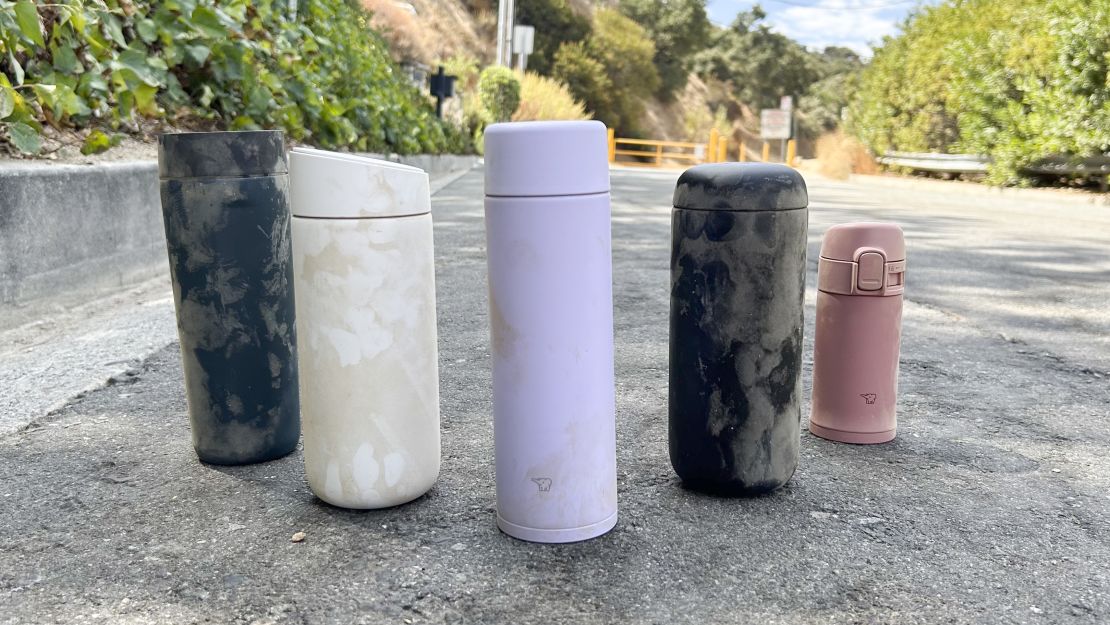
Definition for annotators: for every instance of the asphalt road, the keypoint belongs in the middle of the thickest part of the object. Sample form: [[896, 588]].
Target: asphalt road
[[992, 505]]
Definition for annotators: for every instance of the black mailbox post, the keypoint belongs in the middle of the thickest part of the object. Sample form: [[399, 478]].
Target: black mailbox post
[[442, 86]]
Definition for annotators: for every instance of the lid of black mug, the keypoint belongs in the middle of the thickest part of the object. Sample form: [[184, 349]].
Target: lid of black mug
[[222, 154], [741, 187]]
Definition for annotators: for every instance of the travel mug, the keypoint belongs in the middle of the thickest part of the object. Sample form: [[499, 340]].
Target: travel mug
[[366, 319], [738, 267], [225, 202], [860, 279], [551, 324]]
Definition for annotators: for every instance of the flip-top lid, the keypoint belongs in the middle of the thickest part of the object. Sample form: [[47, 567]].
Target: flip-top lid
[[741, 187], [530, 159], [845, 241], [222, 154], [335, 185]]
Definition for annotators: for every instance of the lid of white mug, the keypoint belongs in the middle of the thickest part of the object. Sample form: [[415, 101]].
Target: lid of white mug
[[337, 185], [550, 158]]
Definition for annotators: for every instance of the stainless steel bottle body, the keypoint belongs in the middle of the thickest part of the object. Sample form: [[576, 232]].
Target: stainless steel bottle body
[[738, 267], [551, 324], [226, 210]]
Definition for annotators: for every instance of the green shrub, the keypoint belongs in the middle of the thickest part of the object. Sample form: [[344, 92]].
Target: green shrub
[[1017, 81], [321, 74], [499, 91]]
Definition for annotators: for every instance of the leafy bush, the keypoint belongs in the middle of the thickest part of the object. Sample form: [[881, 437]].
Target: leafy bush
[[322, 74], [499, 91], [544, 98], [1017, 81]]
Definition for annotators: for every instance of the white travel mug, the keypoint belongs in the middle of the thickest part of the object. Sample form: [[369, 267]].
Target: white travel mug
[[551, 325], [366, 315]]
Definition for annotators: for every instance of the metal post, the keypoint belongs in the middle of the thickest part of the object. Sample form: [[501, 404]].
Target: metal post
[[791, 151], [766, 151], [711, 149], [505, 18], [722, 150], [500, 32], [612, 146]]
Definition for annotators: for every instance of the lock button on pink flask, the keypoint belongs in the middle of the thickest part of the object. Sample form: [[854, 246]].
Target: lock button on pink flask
[[860, 279]]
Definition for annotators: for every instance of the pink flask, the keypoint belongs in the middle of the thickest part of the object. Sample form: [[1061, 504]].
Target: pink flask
[[860, 279]]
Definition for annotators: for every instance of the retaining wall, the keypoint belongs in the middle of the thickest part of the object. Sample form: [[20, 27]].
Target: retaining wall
[[68, 231]]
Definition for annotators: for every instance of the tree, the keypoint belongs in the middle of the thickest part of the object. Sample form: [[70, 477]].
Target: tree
[[1017, 81], [679, 28], [586, 78], [759, 64], [820, 108], [556, 23], [626, 52]]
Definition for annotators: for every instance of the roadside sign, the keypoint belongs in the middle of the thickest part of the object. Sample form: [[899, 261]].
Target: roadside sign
[[524, 39], [786, 103], [774, 124]]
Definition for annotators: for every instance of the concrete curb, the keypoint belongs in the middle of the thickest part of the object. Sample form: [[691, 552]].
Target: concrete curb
[[68, 232], [66, 228]]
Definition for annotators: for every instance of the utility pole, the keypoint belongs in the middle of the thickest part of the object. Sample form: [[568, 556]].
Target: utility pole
[[505, 19]]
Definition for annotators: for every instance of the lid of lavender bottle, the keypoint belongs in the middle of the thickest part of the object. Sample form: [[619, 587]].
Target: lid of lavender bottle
[[543, 159]]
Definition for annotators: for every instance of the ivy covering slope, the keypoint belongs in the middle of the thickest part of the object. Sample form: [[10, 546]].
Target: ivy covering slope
[[1018, 81], [316, 70]]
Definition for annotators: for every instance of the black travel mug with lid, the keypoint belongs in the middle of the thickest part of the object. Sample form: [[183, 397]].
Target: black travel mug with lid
[[738, 265], [225, 203]]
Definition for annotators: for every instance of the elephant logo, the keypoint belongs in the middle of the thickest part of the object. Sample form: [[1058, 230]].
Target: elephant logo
[[544, 483], [869, 398]]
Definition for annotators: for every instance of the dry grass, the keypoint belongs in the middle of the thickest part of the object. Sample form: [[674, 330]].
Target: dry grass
[[437, 30], [840, 155], [543, 98]]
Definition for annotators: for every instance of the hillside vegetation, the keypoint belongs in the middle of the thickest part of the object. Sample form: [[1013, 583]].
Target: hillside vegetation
[[1018, 81], [320, 73]]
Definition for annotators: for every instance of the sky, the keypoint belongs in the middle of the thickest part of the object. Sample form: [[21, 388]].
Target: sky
[[855, 24]]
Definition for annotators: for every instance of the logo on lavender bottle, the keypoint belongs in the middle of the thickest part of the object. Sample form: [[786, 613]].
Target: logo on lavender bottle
[[544, 483]]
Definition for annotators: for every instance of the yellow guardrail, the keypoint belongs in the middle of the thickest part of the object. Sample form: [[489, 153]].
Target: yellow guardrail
[[651, 153]]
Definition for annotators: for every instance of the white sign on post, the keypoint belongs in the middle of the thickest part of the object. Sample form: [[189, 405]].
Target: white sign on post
[[786, 103], [774, 124], [524, 38]]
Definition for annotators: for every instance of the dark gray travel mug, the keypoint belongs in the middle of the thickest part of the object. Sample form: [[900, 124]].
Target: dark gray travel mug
[[225, 202], [738, 266]]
